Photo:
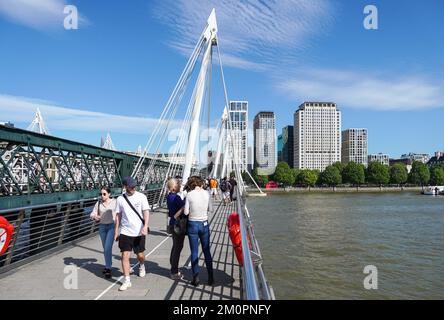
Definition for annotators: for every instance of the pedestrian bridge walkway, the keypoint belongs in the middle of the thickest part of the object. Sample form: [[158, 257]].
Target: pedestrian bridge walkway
[[53, 276]]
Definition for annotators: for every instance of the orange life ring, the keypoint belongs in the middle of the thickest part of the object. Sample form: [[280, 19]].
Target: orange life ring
[[234, 231], [6, 231]]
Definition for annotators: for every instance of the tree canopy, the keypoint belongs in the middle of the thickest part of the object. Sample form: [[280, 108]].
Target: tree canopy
[[331, 176], [398, 174], [378, 173], [354, 173], [419, 174], [283, 174]]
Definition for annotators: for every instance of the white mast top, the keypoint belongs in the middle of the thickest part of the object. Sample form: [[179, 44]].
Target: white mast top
[[211, 30]]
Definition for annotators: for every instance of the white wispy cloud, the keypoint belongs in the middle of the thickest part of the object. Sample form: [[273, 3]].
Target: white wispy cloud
[[40, 15], [254, 34], [364, 90], [22, 110]]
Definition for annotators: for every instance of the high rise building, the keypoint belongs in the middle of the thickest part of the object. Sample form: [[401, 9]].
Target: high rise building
[[288, 145], [355, 146], [265, 156], [280, 147], [238, 114], [380, 157], [317, 135]]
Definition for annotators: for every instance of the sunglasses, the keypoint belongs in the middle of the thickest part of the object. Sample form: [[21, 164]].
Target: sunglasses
[[102, 194]]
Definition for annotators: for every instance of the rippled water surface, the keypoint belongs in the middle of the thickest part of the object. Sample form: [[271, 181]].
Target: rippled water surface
[[316, 245]]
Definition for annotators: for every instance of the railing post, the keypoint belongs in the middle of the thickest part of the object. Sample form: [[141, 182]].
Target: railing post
[[20, 219], [65, 222]]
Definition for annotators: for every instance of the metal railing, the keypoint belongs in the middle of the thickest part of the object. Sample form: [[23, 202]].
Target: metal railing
[[255, 284], [40, 228]]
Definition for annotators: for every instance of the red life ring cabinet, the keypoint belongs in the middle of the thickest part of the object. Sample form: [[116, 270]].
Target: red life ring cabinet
[[6, 231], [234, 231]]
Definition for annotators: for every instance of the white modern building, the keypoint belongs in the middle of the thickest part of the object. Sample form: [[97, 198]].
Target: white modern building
[[265, 155], [381, 157], [317, 135], [238, 114], [355, 146]]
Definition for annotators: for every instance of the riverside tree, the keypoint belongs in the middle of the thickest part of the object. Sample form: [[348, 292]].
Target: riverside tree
[[260, 179], [378, 173], [354, 173], [398, 174], [340, 166], [437, 175], [283, 174], [296, 175], [331, 176], [308, 177], [420, 174]]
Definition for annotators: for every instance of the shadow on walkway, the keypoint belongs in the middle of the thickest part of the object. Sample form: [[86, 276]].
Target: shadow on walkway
[[91, 265]]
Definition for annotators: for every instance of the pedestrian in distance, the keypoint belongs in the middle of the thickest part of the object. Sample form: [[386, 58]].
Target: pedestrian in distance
[[225, 188], [213, 186], [233, 185]]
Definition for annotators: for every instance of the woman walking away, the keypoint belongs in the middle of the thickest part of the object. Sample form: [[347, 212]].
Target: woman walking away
[[104, 212], [175, 209], [197, 205]]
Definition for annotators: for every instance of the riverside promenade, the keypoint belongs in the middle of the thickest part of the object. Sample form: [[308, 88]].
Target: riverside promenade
[[340, 189]]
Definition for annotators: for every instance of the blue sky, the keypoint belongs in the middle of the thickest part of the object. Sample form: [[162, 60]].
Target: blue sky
[[116, 72]]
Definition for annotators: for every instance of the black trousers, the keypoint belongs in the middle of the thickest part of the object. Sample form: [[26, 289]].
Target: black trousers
[[175, 251]]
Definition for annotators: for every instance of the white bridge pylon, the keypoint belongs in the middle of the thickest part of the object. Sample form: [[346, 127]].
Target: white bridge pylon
[[210, 36], [38, 124]]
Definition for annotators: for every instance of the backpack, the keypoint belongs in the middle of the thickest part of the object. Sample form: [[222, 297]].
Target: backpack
[[223, 186]]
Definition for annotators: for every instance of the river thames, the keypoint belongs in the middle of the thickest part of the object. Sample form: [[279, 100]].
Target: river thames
[[316, 245]]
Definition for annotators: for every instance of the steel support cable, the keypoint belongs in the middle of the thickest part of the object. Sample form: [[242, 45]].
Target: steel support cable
[[177, 100], [230, 129], [208, 77], [188, 67], [165, 110], [184, 124], [213, 172], [151, 165], [251, 285], [209, 84], [174, 163]]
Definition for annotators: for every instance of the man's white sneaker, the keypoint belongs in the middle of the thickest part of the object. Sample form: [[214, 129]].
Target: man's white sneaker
[[125, 285], [142, 272]]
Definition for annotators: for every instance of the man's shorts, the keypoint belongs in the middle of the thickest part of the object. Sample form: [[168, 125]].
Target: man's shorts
[[127, 243]]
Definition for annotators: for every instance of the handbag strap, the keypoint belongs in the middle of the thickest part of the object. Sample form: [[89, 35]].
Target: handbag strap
[[134, 209]]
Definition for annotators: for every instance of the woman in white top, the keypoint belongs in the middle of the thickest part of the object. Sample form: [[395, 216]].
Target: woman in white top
[[104, 212], [197, 205]]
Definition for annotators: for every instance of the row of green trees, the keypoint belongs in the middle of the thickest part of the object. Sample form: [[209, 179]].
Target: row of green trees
[[355, 174]]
